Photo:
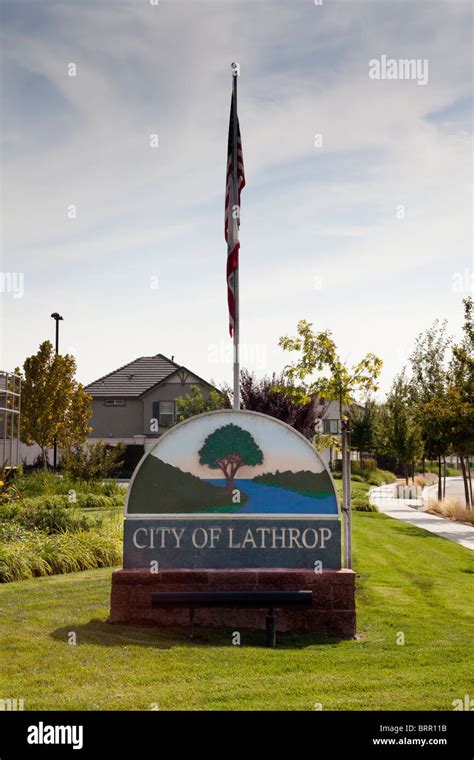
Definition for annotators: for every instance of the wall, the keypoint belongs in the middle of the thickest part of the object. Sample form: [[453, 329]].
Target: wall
[[168, 391], [116, 421]]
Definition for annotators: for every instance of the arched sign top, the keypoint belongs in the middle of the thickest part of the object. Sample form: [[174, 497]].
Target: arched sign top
[[232, 464]]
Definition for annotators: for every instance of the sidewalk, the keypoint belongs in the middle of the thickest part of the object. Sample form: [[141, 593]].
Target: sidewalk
[[400, 509]]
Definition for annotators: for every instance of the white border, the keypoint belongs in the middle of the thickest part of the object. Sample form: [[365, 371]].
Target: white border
[[225, 515]]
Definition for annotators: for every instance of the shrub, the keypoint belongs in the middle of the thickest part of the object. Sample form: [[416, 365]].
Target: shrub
[[380, 477], [47, 517], [96, 460], [360, 504], [367, 463], [357, 478], [111, 488], [42, 554], [452, 509], [98, 501], [48, 502], [82, 500]]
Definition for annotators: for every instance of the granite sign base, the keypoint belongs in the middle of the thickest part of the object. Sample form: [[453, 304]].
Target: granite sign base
[[333, 611]]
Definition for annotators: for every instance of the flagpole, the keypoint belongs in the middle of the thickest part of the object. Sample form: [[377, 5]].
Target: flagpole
[[236, 272]]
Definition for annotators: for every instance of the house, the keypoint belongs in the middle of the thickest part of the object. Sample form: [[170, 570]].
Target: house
[[329, 422], [136, 403]]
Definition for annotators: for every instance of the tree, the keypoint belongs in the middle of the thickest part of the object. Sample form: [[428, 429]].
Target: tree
[[75, 427], [400, 431], [53, 404], [363, 421], [428, 389], [229, 448], [319, 353], [196, 403], [266, 396], [460, 395]]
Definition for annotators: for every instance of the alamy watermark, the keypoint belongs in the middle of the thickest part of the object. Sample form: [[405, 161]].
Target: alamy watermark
[[12, 282], [399, 68], [250, 354]]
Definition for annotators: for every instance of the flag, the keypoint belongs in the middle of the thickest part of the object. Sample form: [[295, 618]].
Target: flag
[[232, 207]]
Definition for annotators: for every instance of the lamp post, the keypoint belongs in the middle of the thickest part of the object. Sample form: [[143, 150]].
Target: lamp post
[[57, 317]]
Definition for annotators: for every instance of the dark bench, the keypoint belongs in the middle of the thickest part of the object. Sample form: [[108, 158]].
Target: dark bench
[[255, 599]]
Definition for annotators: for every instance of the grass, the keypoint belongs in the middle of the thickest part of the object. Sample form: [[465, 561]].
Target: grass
[[408, 581], [45, 538], [45, 483]]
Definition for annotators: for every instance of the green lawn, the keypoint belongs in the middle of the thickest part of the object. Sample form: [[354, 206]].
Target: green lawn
[[408, 581]]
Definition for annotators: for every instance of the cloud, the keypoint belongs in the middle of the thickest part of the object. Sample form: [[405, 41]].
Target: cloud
[[308, 213]]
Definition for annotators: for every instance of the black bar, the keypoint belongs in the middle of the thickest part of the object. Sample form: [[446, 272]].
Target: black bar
[[355, 733], [258, 599]]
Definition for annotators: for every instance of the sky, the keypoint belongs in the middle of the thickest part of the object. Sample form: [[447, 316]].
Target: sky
[[365, 230]]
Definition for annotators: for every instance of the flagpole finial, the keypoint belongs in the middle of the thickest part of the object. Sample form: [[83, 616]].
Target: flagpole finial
[[235, 69]]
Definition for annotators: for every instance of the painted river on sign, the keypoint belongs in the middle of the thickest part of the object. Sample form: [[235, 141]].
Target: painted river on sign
[[265, 499]]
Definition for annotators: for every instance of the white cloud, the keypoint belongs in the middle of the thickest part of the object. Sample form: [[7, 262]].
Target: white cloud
[[307, 212]]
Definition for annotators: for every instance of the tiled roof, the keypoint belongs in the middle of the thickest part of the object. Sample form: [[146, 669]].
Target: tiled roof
[[134, 378]]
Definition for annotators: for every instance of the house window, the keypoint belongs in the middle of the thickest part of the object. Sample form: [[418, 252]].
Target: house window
[[331, 426], [114, 402], [165, 412]]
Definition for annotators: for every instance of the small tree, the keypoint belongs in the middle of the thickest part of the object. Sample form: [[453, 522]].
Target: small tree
[[319, 353], [53, 404], [399, 427], [196, 403], [228, 449], [364, 427], [460, 395], [428, 389]]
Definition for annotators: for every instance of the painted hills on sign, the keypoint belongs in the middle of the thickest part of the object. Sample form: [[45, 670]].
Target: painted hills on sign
[[166, 489], [204, 467]]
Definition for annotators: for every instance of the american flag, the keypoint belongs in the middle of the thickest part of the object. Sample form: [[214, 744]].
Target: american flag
[[232, 208]]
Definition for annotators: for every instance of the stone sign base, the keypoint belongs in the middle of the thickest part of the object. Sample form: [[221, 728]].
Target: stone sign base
[[333, 611]]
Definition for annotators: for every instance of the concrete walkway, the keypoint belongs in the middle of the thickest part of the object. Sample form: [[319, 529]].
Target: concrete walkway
[[408, 511], [454, 490]]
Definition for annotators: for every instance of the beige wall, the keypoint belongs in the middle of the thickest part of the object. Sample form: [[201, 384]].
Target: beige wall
[[134, 418], [116, 421]]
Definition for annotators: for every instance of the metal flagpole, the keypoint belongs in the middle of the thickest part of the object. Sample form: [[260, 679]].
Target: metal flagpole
[[346, 494], [235, 174]]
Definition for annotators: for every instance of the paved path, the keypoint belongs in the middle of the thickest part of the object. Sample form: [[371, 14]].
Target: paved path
[[454, 490], [384, 499]]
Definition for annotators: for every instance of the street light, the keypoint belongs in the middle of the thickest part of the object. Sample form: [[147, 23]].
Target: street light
[[57, 317]]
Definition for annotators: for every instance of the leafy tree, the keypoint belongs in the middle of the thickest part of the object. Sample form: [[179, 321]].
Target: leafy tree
[[196, 403], [75, 427], [53, 404], [460, 398], [319, 352], [318, 355], [399, 427], [428, 389], [229, 448], [364, 426], [265, 396]]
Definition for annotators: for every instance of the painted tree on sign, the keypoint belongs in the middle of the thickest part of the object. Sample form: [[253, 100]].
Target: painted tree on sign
[[228, 449]]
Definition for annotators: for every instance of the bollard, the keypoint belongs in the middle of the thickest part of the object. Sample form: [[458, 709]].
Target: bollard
[[271, 629]]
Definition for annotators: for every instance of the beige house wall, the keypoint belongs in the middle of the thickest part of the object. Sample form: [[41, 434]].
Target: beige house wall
[[134, 418]]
